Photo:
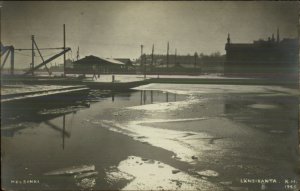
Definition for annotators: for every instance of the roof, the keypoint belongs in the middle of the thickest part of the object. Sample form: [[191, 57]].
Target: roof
[[97, 60], [263, 44], [123, 60], [126, 61]]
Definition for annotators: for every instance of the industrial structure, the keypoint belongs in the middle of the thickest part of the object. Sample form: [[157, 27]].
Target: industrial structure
[[93, 64], [263, 58], [10, 50], [6, 51], [184, 64]]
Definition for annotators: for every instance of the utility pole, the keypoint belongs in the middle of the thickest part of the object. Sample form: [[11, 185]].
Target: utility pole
[[1, 43], [77, 56], [142, 46], [168, 55], [12, 60], [298, 75], [175, 56], [145, 65], [195, 61], [64, 33], [142, 63], [152, 57], [298, 56], [32, 54]]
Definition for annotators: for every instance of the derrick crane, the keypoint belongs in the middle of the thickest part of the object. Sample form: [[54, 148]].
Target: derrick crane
[[8, 50], [47, 61]]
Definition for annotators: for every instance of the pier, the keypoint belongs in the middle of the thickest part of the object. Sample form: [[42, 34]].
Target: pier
[[17, 93]]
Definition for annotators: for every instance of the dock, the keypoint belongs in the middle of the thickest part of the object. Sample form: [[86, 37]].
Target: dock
[[20, 93]]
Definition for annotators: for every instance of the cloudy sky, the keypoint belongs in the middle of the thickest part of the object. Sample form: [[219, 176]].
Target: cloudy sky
[[117, 29]]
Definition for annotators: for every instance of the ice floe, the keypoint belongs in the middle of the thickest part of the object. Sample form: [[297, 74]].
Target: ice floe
[[84, 175], [191, 89], [208, 173], [167, 106], [155, 176], [186, 148], [71, 170], [86, 183]]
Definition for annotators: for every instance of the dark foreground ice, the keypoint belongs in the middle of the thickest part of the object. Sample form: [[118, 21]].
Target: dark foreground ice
[[159, 136]]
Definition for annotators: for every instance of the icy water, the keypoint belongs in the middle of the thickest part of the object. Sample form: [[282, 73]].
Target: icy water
[[158, 136]]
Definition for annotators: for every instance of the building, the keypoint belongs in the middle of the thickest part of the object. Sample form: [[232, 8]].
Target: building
[[262, 58], [192, 64], [161, 61], [128, 63], [92, 64]]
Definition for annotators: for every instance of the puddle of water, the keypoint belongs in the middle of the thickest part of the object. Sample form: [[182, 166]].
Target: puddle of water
[[154, 175]]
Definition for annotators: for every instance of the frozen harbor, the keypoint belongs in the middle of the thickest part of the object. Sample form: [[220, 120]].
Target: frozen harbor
[[158, 136], [139, 77], [131, 78]]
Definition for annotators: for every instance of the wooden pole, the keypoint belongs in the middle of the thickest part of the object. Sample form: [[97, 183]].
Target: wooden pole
[[175, 56], [1, 53], [32, 54], [64, 49], [63, 132], [12, 60], [152, 56], [168, 55], [195, 61], [143, 64]]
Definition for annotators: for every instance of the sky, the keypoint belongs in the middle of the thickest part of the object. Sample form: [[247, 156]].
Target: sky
[[117, 29]]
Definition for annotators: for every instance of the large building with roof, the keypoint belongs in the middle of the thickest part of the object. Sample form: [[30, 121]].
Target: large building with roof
[[262, 58], [93, 64]]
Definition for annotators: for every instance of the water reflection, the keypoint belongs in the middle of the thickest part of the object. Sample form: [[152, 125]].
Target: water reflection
[[151, 95], [11, 127], [145, 97], [227, 119], [280, 112], [61, 130], [145, 93]]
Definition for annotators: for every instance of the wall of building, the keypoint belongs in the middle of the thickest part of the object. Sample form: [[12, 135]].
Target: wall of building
[[263, 58]]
